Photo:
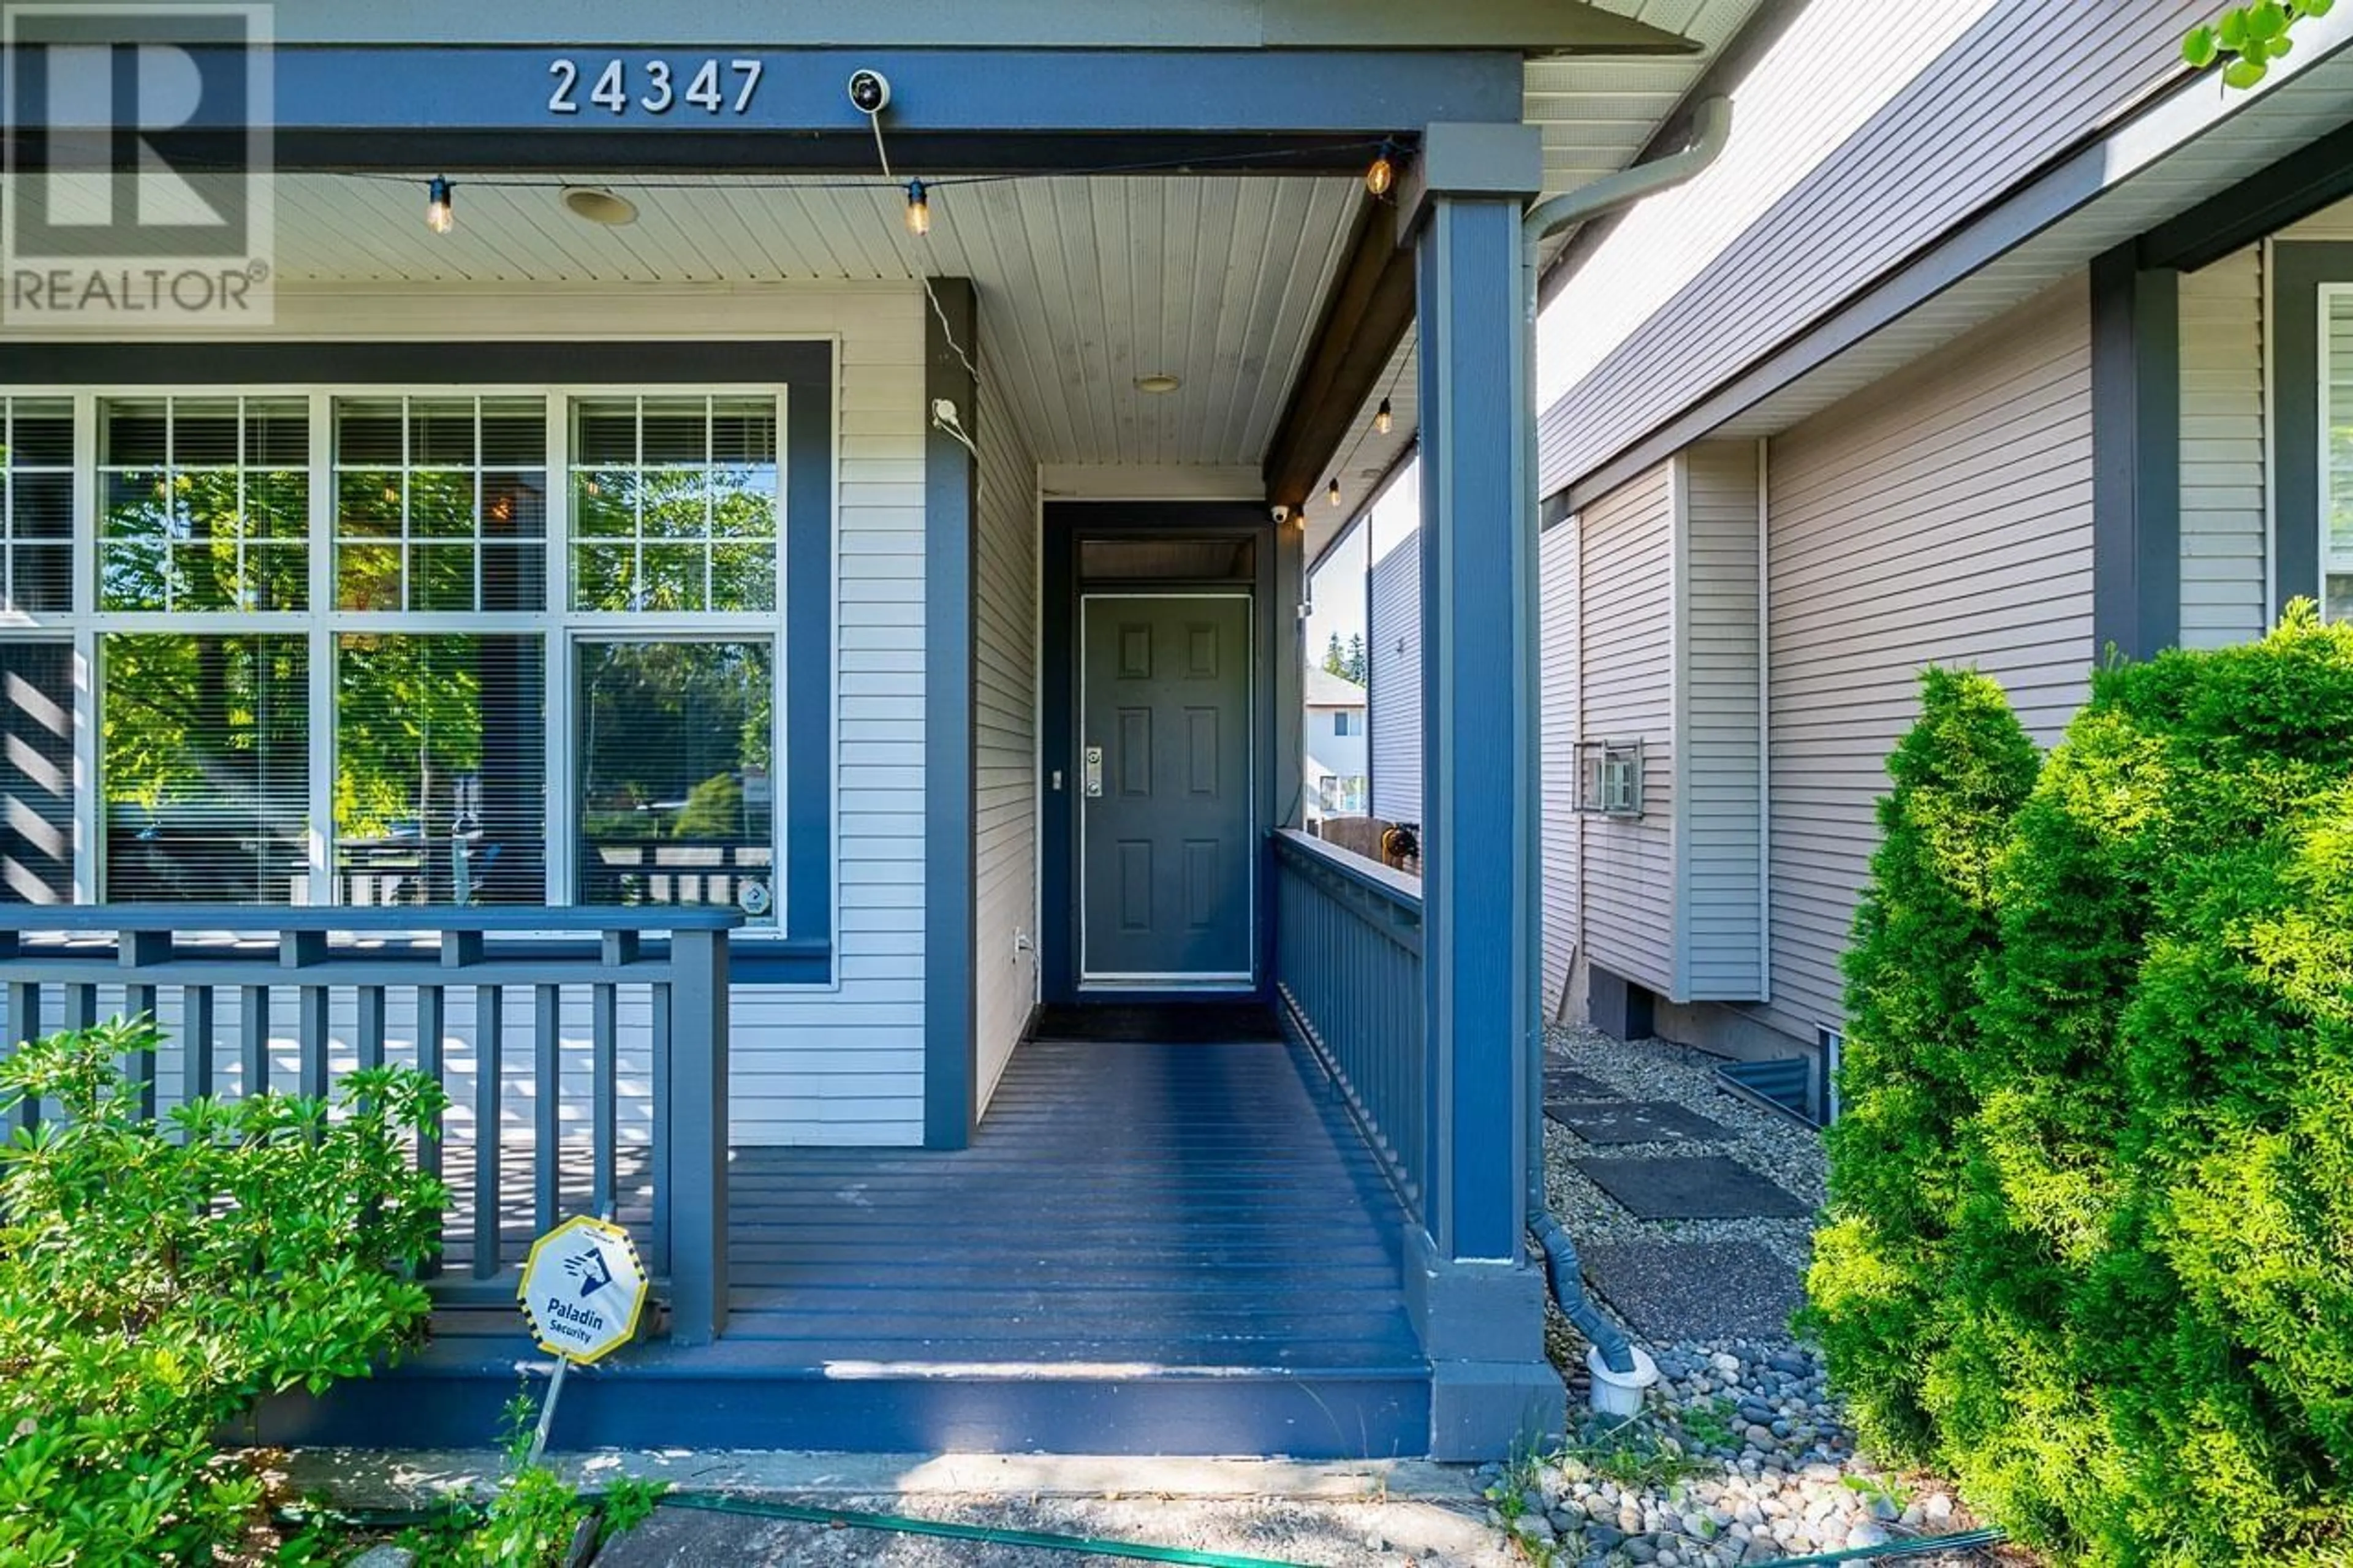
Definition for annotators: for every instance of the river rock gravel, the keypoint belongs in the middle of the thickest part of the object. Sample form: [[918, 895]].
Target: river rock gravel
[[1742, 1456]]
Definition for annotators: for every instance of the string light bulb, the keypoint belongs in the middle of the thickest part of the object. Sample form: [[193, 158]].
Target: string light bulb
[[439, 216], [1331, 493], [1381, 178], [919, 209], [1384, 419]]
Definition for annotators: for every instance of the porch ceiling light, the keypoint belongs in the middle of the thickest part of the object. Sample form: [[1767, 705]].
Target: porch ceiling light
[[919, 209], [439, 216], [1384, 419], [596, 204], [1381, 178], [1159, 383]]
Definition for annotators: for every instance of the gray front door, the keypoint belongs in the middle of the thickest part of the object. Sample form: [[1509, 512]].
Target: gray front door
[[1165, 821]]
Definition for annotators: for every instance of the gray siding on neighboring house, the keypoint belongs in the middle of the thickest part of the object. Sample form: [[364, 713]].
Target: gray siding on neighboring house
[[1943, 515], [1719, 909], [1627, 657], [1004, 739], [1954, 137], [2224, 531], [1393, 634], [1556, 687]]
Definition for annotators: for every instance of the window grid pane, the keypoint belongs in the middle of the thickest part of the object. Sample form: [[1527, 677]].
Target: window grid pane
[[204, 768], [205, 503], [674, 504], [675, 745], [441, 503], [36, 504], [2337, 504], [440, 769]]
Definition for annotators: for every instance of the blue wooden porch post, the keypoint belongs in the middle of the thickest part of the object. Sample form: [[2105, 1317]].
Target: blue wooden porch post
[[1477, 1300]]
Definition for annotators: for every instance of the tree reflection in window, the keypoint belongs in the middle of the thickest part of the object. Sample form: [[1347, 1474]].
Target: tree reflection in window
[[441, 770], [676, 767], [205, 503], [204, 768], [674, 503]]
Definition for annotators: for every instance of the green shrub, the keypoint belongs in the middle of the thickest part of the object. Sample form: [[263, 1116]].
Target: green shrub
[[156, 1282], [1926, 921], [2138, 1347]]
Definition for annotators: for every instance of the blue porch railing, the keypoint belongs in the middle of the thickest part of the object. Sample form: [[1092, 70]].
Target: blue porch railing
[[538, 1141], [1348, 968]]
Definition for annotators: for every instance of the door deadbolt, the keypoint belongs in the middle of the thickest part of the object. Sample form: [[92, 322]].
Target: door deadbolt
[[1094, 772]]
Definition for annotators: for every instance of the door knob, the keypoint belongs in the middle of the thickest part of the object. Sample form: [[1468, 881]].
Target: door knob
[[1094, 772]]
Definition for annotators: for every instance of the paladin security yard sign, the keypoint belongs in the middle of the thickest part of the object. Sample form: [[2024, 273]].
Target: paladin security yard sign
[[583, 1288]]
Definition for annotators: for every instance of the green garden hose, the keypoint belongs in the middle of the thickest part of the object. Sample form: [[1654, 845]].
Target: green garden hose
[[1887, 1551], [720, 1502]]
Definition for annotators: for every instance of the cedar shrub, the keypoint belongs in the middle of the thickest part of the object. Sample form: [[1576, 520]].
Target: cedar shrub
[[2091, 1246]]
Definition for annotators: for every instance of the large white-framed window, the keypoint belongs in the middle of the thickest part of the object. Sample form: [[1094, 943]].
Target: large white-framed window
[[325, 646], [2335, 320]]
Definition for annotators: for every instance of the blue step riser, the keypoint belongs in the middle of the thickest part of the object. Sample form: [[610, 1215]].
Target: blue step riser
[[1307, 1418]]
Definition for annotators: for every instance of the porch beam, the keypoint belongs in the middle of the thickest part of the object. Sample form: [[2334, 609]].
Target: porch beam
[[1366, 316], [951, 760], [1477, 1301]]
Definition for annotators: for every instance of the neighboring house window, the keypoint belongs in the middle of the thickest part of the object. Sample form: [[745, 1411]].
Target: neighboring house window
[[1345, 723], [1327, 794], [2337, 439], [358, 649]]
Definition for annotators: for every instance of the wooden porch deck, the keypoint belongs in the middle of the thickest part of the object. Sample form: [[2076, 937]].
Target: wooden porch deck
[[1148, 1247]]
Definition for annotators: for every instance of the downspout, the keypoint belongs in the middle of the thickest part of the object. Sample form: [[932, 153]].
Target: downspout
[[1712, 128]]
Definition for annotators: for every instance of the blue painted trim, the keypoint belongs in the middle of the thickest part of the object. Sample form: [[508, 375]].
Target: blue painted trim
[[2298, 269], [954, 91], [1479, 727], [1066, 524], [806, 370], [810, 453], [951, 762], [2135, 456]]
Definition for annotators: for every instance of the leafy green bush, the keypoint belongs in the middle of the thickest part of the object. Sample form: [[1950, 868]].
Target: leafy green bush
[[2128, 1328], [1925, 923], [156, 1282]]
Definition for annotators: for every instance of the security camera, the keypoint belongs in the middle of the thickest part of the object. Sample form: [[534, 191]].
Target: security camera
[[870, 91], [1281, 515]]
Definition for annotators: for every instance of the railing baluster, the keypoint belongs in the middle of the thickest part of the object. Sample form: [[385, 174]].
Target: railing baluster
[[253, 1037], [139, 1001], [369, 1002], [311, 1017], [547, 1075], [24, 1029], [432, 1017], [603, 1010], [196, 1043], [489, 1033], [664, 1124], [82, 1006]]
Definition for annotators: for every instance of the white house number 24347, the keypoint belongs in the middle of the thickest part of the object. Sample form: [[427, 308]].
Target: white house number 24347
[[714, 87]]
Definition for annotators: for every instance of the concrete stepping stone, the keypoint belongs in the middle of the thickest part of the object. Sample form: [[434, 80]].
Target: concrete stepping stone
[[1564, 1083], [1695, 1289], [1692, 1186], [1611, 1121]]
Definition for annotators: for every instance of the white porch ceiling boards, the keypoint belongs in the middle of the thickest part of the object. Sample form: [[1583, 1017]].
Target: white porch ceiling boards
[[1085, 284]]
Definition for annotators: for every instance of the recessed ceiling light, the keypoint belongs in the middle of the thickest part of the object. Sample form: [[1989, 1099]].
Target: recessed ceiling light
[[597, 205], [1158, 383]]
